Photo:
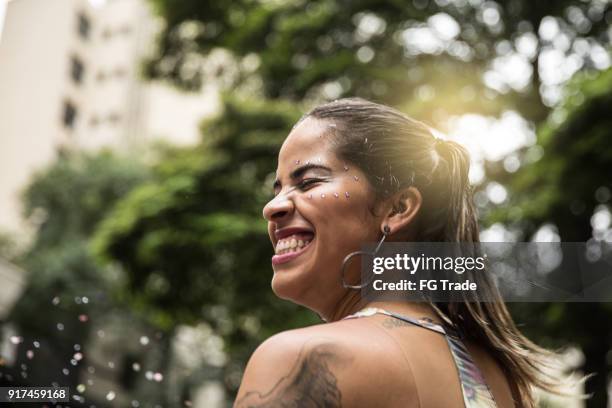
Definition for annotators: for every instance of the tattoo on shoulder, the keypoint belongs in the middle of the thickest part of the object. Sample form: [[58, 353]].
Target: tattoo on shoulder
[[309, 384]]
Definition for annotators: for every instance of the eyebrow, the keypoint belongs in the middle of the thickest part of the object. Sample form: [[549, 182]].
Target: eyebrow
[[299, 172]]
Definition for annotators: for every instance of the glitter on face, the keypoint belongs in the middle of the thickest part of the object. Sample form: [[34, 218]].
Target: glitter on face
[[336, 195], [322, 195], [356, 178], [346, 168], [297, 162], [346, 194]]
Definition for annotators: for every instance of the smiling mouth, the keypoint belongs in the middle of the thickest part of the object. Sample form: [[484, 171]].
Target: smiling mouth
[[293, 243], [291, 247]]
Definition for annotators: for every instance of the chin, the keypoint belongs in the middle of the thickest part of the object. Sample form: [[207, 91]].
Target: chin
[[289, 285]]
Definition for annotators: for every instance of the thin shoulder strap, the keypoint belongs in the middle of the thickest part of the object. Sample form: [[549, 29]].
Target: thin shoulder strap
[[476, 392]]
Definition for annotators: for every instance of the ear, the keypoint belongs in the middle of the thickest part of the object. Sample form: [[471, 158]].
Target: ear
[[402, 209]]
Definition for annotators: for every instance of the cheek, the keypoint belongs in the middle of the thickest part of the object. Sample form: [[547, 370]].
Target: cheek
[[341, 205]]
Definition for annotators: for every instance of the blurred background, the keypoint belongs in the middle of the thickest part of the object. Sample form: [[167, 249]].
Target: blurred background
[[138, 139]]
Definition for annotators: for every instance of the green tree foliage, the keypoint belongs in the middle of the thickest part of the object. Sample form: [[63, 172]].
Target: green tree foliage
[[564, 188], [361, 46], [68, 199]]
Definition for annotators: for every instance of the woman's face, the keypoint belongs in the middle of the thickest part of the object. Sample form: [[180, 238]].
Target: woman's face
[[320, 213]]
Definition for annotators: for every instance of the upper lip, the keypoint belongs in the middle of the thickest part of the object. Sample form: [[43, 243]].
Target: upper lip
[[287, 231]]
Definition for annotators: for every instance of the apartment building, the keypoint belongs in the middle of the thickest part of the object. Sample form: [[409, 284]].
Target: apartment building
[[70, 78]]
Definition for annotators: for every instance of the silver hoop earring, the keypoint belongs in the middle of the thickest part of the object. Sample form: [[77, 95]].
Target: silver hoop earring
[[386, 232]]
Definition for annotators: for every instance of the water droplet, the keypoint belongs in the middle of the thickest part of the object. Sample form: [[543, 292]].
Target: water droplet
[[91, 370], [80, 388], [66, 371], [110, 396], [77, 300], [16, 339], [111, 364], [100, 333], [85, 299], [24, 367], [36, 344], [56, 301], [77, 347], [322, 195], [60, 326], [78, 356], [336, 195], [90, 382], [135, 404], [144, 340], [136, 367], [346, 194], [158, 377], [30, 354], [83, 318], [73, 362], [149, 375]]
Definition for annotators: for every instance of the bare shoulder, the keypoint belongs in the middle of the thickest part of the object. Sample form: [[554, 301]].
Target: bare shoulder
[[340, 364]]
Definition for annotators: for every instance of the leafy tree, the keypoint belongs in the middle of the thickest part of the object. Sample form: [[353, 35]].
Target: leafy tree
[[361, 47], [68, 199], [564, 188]]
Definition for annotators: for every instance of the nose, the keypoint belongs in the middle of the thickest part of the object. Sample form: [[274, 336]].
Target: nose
[[278, 208]]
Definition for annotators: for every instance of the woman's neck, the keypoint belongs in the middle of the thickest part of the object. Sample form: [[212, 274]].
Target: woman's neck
[[354, 302]]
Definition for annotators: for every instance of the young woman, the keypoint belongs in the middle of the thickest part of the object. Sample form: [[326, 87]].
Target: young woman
[[351, 172]]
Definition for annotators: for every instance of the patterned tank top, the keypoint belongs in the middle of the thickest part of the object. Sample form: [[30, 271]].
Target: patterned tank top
[[476, 392]]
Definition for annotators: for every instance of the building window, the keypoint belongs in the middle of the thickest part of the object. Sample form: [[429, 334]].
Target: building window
[[69, 115], [114, 118], [107, 33], [120, 72], [76, 70], [84, 26]]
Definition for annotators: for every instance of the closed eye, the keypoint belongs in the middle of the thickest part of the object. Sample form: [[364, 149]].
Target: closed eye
[[308, 182], [303, 185]]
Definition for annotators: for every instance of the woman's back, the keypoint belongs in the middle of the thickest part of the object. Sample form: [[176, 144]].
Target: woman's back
[[375, 361], [436, 370]]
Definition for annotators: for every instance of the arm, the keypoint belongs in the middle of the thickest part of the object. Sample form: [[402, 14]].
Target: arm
[[289, 370]]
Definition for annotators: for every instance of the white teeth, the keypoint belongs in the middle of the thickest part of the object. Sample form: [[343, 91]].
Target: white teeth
[[290, 244]]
